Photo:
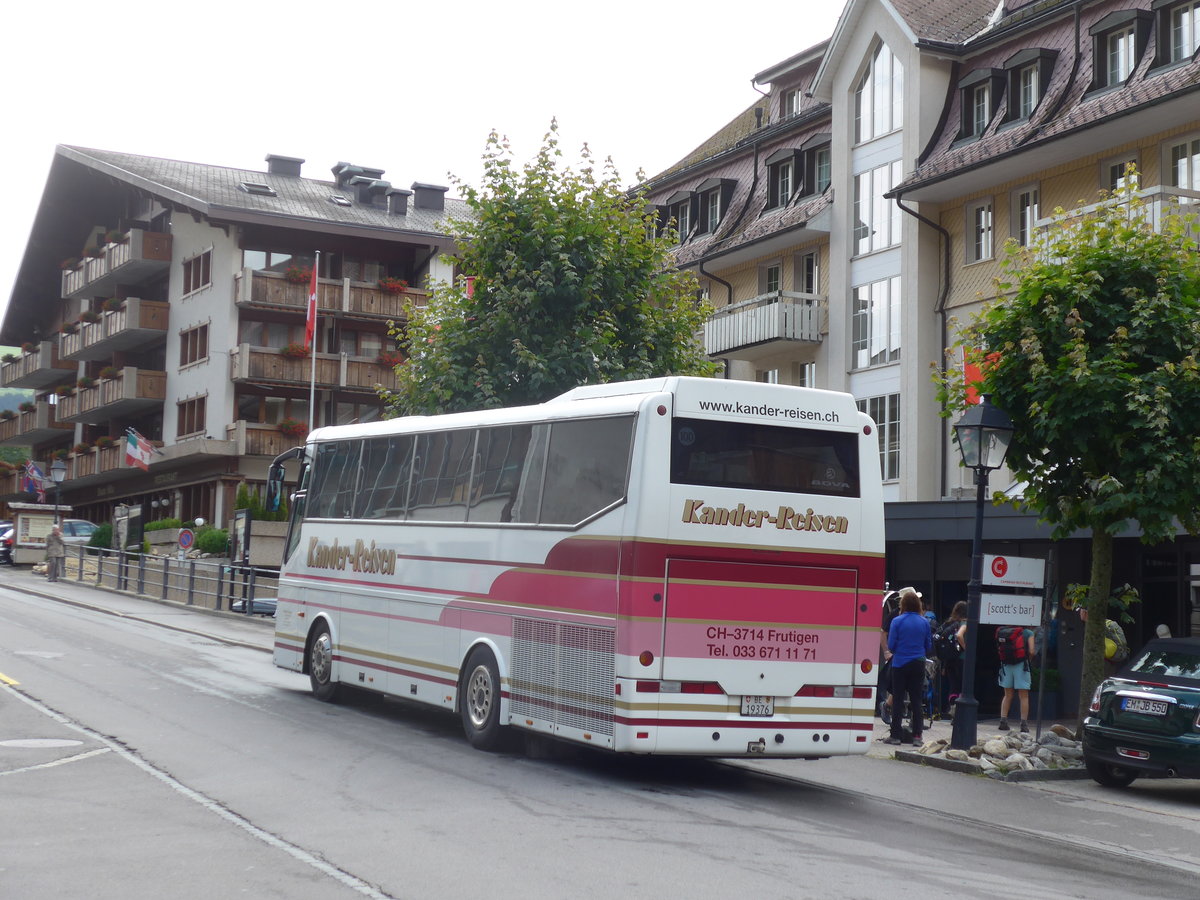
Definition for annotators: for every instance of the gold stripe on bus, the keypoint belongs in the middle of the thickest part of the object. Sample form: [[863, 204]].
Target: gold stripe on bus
[[735, 707], [769, 585], [773, 548], [391, 658]]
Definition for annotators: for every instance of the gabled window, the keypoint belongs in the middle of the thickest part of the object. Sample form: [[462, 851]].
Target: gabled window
[[1178, 26], [818, 163], [1182, 164], [1118, 41], [781, 177], [980, 91], [714, 196], [1024, 215], [790, 103], [879, 96], [979, 231], [1028, 74]]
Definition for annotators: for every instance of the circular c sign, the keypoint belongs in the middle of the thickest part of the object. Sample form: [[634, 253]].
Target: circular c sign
[[999, 566], [186, 538]]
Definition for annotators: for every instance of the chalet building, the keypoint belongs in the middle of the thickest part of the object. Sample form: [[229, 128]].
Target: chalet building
[[170, 297], [844, 223]]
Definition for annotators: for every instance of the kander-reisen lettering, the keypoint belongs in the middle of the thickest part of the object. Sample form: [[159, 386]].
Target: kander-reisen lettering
[[786, 519], [359, 556]]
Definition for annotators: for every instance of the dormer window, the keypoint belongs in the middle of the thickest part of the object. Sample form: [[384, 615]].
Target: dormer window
[[790, 103], [1118, 41], [781, 177], [817, 164], [679, 209], [981, 92], [1028, 74], [714, 196], [1178, 30]]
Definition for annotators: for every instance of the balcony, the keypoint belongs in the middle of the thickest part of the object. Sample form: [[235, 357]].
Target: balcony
[[131, 392], [334, 370], [1157, 203], [764, 325], [141, 255], [136, 324], [34, 427], [40, 368], [255, 439], [356, 299]]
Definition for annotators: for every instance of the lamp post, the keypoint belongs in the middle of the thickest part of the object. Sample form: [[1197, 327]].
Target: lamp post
[[58, 474], [983, 434]]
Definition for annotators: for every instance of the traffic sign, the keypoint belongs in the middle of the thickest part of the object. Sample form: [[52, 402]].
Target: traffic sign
[[187, 538]]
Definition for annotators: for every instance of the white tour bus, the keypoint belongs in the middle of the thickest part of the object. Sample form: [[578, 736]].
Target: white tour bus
[[675, 565]]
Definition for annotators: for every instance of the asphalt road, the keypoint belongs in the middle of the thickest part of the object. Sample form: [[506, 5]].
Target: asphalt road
[[153, 751]]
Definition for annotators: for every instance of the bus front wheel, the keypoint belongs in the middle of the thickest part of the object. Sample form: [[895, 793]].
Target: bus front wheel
[[479, 700], [320, 665]]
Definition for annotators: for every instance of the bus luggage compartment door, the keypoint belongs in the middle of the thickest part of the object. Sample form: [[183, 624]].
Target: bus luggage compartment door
[[759, 629]]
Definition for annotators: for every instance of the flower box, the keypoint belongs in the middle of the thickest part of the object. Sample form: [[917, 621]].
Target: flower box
[[393, 285], [294, 351]]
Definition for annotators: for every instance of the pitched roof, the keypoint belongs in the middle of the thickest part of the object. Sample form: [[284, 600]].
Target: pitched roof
[[216, 191], [947, 21]]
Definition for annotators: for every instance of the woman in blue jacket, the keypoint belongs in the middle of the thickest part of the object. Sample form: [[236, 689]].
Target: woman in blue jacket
[[910, 641]]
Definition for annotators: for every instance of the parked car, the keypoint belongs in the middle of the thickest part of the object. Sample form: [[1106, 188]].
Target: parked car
[[1145, 720], [6, 546], [259, 606], [77, 531]]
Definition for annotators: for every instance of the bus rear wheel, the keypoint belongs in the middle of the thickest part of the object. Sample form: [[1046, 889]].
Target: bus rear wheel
[[479, 701], [320, 665]]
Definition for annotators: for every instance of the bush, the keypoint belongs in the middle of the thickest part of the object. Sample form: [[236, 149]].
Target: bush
[[213, 540], [102, 537], [162, 524]]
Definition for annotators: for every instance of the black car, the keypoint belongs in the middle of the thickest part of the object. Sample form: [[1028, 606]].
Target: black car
[[1145, 720]]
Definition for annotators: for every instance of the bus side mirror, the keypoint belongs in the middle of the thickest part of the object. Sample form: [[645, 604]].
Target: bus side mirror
[[274, 487]]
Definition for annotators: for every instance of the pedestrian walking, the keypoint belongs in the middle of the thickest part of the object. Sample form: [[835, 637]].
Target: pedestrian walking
[[56, 554], [910, 642], [949, 641], [1015, 647]]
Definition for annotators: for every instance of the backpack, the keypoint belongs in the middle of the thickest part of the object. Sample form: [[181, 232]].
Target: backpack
[[1010, 644], [1115, 633], [945, 641]]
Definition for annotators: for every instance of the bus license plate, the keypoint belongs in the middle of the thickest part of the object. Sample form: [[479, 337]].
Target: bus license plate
[[1149, 707], [758, 707]]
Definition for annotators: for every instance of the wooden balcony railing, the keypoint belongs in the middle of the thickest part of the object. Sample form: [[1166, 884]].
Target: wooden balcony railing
[[136, 324], [132, 390], [140, 255], [764, 322], [42, 367], [333, 370], [34, 426], [351, 298], [255, 439]]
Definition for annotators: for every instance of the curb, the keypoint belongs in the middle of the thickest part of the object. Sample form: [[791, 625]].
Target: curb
[[969, 768]]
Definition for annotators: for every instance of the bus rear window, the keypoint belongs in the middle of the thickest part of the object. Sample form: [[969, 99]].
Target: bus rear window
[[758, 457]]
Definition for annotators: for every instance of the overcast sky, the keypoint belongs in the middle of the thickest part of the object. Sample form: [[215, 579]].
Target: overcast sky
[[412, 88]]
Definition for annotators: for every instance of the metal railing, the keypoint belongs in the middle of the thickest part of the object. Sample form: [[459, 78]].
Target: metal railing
[[214, 584]]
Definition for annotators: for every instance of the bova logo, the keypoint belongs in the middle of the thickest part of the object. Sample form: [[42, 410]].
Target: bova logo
[[359, 556], [786, 519]]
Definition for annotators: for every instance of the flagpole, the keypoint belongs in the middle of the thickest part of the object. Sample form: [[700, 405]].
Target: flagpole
[[311, 329]]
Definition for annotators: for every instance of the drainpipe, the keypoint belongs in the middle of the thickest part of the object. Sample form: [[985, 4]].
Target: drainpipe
[[940, 309]]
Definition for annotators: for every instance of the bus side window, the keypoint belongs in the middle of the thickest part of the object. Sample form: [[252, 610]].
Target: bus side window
[[333, 482], [297, 512], [386, 465], [529, 489], [500, 461], [439, 486], [587, 467]]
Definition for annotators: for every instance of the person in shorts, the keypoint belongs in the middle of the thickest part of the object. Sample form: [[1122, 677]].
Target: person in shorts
[[1015, 679]]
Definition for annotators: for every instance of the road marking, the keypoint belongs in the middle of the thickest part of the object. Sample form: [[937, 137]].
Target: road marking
[[271, 840], [79, 757], [11, 682]]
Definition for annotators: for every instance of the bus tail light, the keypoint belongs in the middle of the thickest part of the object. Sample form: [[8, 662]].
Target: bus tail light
[[646, 658], [679, 687], [866, 666], [835, 690]]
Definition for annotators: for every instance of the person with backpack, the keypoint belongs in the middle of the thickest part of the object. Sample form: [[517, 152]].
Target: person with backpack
[[1015, 647], [910, 642], [949, 642]]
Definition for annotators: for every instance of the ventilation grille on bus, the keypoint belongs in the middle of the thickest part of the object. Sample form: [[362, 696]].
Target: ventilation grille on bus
[[578, 659]]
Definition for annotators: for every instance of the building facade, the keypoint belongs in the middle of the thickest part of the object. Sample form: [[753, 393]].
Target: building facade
[[170, 298], [870, 196]]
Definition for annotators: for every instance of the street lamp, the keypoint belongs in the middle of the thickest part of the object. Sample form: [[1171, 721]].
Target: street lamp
[[58, 474], [983, 434]]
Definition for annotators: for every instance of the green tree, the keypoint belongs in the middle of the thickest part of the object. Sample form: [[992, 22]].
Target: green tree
[[1092, 350], [572, 285]]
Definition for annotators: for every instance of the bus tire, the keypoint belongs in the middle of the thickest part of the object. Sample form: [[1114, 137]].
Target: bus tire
[[479, 700], [320, 665]]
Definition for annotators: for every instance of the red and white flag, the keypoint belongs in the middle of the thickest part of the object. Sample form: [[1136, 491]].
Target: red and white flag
[[310, 327], [138, 451]]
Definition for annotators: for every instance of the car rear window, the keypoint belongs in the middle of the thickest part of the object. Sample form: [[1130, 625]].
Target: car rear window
[[1157, 662]]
